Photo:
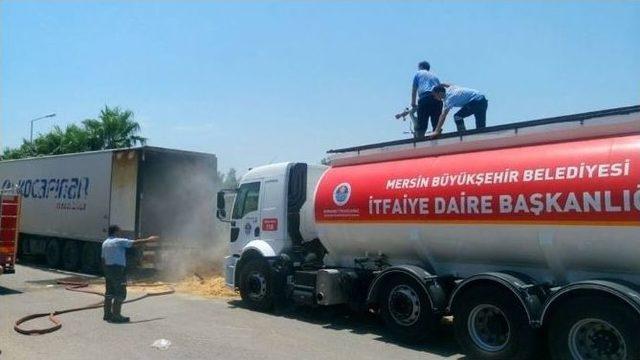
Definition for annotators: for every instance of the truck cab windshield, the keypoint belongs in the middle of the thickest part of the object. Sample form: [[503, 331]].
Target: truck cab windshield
[[246, 200]]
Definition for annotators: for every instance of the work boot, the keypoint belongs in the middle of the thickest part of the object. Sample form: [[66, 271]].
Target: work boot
[[117, 317], [107, 309]]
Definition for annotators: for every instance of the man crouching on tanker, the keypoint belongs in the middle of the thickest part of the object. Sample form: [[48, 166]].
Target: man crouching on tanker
[[115, 261]]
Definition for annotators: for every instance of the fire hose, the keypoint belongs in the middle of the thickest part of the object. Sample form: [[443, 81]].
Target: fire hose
[[78, 287]]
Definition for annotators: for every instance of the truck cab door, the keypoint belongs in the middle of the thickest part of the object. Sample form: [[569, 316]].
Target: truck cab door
[[245, 217]]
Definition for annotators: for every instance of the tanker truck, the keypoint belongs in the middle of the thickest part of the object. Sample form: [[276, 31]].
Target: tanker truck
[[526, 233]]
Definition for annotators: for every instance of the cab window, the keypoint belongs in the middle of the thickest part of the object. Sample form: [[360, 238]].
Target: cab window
[[246, 200]]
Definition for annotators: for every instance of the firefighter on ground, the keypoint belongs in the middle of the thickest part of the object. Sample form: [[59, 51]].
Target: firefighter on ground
[[115, 261], [470, 102], [429, 107]]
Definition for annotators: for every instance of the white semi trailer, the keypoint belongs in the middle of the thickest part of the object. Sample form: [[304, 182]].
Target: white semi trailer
[[527, 233], [69, 201]]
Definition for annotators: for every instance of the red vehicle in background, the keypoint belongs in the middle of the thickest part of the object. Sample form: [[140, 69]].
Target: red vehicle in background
[[10, 201]]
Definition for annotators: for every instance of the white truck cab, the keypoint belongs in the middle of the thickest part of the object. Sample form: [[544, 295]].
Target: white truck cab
[[267, 199]]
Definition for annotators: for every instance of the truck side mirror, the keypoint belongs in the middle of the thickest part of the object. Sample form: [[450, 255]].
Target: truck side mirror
[[220, 201], [221, 212]]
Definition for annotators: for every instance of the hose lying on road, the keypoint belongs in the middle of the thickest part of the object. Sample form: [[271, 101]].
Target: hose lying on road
[[79, 287]]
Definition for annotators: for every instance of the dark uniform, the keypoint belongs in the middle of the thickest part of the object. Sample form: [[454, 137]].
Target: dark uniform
[[429, 108], [470, 102], [115, 261]]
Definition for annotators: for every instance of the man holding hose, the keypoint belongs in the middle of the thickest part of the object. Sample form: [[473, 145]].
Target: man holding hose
[[115, 261]]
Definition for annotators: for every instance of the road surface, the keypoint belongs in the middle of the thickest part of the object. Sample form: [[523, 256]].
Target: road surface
[[198, 328]]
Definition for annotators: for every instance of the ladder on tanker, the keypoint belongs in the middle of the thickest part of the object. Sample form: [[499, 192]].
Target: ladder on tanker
[[603, 123], [10, 206]]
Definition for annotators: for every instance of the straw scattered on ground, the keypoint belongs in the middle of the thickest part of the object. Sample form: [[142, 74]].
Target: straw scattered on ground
[[210, 286]]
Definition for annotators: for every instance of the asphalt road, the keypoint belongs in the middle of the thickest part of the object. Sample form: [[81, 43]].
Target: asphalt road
[[198, 328]]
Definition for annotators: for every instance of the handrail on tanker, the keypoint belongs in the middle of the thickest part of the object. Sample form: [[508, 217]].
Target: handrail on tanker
[[581, 117]]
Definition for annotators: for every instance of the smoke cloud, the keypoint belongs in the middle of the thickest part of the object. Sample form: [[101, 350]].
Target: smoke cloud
[[179, 205]]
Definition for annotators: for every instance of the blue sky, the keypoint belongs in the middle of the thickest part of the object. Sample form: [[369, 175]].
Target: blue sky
[[263, 82]]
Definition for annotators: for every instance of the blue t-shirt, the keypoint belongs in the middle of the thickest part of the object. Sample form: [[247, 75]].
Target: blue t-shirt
[[114, 251], [425, 81], [458, 96]]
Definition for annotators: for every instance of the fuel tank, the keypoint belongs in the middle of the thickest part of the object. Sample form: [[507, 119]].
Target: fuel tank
[[558, 212]]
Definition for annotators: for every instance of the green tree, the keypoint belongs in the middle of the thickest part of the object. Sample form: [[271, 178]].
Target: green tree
[[230, 180], [113, 129], [25, 150]]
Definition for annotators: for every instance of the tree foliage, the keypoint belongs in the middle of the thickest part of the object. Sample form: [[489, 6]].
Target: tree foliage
[[113, 129], [230, 180]]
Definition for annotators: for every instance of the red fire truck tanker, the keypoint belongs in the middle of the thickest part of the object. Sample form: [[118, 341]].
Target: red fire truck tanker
[[527, 233]]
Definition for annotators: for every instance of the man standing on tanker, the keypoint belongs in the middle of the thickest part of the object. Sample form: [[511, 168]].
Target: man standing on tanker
[[470, 102], [428, 106], [115, 261]]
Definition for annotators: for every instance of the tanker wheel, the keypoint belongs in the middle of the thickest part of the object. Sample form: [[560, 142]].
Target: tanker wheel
[[594, 328], [490, 323], [53, 253], [256, 287], [406, 310], [90, 258]]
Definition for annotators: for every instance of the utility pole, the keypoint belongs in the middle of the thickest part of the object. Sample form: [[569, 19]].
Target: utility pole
[[36, 119]]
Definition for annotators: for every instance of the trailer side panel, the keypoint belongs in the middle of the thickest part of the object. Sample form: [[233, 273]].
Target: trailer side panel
[[63, 196]]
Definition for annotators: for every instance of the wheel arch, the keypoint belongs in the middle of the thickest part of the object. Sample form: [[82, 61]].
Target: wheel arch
[[256, 249], [428, 282], [624, 293], [516, 284]]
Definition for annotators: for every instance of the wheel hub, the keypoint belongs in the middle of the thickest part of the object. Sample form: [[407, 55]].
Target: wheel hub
[[257, 286], [404, 305], [489, 328], [596, 339]]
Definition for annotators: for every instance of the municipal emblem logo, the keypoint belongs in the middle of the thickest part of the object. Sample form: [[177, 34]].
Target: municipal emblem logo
[[341, 194]]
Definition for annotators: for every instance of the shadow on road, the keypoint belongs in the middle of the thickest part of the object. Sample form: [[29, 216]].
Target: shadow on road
[[341, 318], [143, 321], [7, 291]]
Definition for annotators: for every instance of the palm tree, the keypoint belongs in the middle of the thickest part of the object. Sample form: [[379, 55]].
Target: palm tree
[[113, 129]]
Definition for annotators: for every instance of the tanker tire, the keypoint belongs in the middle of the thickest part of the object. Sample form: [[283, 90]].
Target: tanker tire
[[406, 310], [481, 310], [53, 253], [599, 308], [90, 258], [256, 287]]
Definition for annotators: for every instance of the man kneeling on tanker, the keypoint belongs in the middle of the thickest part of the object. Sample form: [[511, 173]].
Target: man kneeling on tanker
[[470, 102], [114, 260]]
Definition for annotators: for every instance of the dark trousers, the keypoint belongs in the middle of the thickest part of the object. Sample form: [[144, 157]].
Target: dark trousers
[[116, 282], [429, 108], [477, 108]]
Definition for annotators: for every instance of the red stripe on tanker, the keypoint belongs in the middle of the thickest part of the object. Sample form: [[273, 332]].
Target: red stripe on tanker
[[571, 182]]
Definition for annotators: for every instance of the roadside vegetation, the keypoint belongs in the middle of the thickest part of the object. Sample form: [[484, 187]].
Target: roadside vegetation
[[114, 128]]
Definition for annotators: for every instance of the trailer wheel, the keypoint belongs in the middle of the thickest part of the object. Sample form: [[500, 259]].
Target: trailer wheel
[[594, 328], [406, 310], [71, 255], [53, 253], [256, 287], [90, 258], [489, 323]]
